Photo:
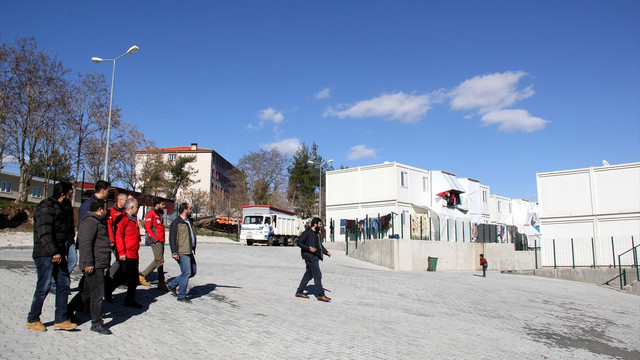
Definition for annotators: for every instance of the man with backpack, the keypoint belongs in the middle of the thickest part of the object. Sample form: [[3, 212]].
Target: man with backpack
[[154, 229]]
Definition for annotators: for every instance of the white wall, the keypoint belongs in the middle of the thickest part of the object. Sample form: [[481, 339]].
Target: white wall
[[584, 204]]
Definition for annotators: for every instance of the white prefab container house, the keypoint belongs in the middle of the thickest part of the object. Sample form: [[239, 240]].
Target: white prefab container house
[[589, 216], [265, 224]]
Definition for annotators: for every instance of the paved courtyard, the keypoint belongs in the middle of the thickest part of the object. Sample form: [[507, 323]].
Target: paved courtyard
[[244, 308]]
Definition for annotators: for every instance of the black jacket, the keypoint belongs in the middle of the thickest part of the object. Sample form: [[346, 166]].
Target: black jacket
[[94, 244], [308, 239], [52, 228]]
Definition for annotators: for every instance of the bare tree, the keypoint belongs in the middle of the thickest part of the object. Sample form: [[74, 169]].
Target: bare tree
[[88, 102], [124, 156], [199, 200], [265, 176], [33, 85]]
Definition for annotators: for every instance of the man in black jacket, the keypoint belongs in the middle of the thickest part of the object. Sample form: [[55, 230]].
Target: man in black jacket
[[95, 258], [312, 252], [51, 229]]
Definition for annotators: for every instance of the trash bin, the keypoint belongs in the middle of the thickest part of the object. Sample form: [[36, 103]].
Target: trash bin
[[432, 263]]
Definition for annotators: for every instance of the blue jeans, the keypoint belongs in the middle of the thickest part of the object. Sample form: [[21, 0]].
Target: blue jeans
[[72, 260], [484, 269], [46, 269], [312, 272], [188, 270]]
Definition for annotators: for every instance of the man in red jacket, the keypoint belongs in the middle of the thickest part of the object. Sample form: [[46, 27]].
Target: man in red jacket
[[113, 216], [127, 244], [154, 229]]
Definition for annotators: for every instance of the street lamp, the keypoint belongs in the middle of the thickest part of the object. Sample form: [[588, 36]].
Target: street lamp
[[132, 50], [320, 196]]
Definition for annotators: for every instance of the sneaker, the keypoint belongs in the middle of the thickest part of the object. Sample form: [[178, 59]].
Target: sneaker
[[101, 330], [143, 281], [132, 304], [65, 325], [184, 300], [36, 326], [173, 290]]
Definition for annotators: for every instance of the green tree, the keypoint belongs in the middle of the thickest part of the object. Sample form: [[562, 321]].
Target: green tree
[[180, 175], [152, 174]]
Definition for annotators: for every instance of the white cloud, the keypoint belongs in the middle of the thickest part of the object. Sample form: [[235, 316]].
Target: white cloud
[[271, 114], [361, 152], [489, 92], [256, 127], [513, 120], [398, 106], [323, 94], [286, 146]]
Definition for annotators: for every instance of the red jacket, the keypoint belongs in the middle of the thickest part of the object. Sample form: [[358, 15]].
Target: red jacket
[[153, 225], [128, 236], [112, 214]]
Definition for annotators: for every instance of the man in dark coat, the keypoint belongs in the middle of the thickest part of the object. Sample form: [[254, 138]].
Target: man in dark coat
[[94, 246], [312, 252], [52, 227]]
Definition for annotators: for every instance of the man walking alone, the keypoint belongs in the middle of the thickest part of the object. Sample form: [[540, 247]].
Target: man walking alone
[[182, 240], [312, 252]]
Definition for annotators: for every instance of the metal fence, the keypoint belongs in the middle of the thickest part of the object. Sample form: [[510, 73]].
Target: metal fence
[[610, 251]]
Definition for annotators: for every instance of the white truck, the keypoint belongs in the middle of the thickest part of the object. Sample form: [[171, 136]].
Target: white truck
[[265, 224]]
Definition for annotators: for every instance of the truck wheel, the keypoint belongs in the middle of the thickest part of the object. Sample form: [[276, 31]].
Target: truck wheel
[[270, 240], [249, 242], [294, 241]]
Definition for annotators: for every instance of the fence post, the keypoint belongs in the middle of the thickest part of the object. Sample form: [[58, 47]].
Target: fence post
[[379, 234], [635, 258], [613, 250], [357, 231], [421, 228], [573, 256], [593, 250], [346, 238], [554, 254], [535, 244], [455, 229], [402, 225], [620, 271]]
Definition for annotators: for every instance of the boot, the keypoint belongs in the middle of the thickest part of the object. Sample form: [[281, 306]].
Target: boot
[[143, 281]]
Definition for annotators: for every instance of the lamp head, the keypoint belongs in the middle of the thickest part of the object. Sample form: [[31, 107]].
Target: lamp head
[[310, 162], [330, 161], [134, 49], [96, 59]]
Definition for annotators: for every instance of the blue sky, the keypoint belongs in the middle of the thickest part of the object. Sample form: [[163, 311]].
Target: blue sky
[[492, 90]]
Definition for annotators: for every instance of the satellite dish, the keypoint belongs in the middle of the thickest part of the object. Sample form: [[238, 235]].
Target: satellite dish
[[605, 163]]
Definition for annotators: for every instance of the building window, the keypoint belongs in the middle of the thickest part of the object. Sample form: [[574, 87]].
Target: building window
[[405, 217], [499, 206], [509, 208], [404, 179], [484, 196], [5, 187], [172, 157], [425, 183], [36, 192]]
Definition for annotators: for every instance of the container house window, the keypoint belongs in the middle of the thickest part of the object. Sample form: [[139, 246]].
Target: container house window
[[404, 179], [425, 183], [509, 208], [36, 192], [5, 186], [484, 196], [499, 206]]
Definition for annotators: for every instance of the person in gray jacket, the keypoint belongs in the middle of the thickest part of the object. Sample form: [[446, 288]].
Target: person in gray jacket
[[94, 246], [182, 240]]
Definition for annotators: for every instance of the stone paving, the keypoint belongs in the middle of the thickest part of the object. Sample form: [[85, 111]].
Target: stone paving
[[244, 308]]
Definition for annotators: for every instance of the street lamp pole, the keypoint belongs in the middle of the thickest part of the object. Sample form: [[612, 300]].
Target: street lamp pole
[[132, 50], [320, 187]]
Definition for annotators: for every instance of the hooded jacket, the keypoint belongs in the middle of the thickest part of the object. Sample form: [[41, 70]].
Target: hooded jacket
[[93, 242]]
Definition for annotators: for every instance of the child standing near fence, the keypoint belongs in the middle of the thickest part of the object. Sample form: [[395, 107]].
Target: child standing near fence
[[484, 264]]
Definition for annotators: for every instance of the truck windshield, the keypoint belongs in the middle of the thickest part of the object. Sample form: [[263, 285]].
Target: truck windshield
[[253, 220]]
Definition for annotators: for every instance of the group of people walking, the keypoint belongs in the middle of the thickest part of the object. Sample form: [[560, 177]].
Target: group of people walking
[[102, 232]]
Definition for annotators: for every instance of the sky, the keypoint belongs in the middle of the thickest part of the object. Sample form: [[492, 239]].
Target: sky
[[492, 90]]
